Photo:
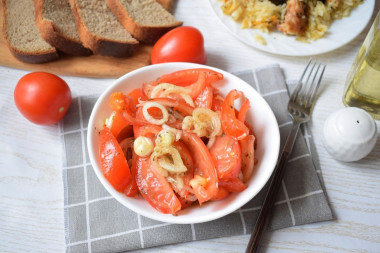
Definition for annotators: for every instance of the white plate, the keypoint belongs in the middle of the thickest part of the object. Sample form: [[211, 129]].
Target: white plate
[[339, 34], [266, 130]]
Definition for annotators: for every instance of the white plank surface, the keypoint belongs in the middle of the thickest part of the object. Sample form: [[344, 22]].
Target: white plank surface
[[31, 191]]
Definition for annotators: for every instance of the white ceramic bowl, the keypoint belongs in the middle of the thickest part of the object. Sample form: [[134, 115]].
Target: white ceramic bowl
[[259, 115]]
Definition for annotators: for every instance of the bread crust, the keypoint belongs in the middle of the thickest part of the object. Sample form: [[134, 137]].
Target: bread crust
[[100, 45], [146, 34], [50, 34], [35, 58], [27, 57]]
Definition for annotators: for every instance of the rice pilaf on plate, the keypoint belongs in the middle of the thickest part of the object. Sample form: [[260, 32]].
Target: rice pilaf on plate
[[305, 19]]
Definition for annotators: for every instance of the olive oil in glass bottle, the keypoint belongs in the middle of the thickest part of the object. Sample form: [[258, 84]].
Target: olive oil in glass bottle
[[363, 80]]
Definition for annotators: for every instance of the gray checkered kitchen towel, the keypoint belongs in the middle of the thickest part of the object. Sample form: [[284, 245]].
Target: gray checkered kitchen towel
[[96, 222]]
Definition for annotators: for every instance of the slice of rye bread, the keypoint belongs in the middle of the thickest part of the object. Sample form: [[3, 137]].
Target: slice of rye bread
[[22, 35], [99, 29], [146, 20], [56, 23], [167, 4]]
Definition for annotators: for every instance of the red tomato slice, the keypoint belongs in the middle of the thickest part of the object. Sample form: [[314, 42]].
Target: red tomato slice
[[178, 105], [243, 110], [248, 157], [194, 89], [126, 146], [230, 124], [147, 88], [125, 133], [189, 76], [205, 98], [222, 193], [239, 114], [226, 154], [197, 87], [112, 160], [185, 203], [126, 107], [119, 102], [137, 94], [176, 96], [204, 168], [233, 185], [131, 120], [217, 102], [176, 124], [132, 188], [119, 127], [195, 80], [154, 187], [149, 131], [250, 128]]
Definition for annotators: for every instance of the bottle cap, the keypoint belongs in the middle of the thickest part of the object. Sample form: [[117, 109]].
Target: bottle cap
[[349, 134]]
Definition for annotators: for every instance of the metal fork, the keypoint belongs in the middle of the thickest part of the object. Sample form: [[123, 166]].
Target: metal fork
[[299, 107]]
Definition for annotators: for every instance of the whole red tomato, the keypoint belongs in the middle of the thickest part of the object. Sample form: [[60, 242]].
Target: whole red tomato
[[182, 44], [42, 98]]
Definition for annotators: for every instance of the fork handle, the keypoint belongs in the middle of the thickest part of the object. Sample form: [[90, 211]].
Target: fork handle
[[263, 219]]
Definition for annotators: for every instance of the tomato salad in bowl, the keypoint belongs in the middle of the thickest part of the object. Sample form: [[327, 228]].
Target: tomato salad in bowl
[[180, 142]]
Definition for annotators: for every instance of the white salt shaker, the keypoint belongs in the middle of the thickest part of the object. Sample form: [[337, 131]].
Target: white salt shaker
[[349, 134]]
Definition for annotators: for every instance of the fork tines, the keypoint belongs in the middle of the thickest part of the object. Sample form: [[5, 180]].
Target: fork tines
[[307, 86]]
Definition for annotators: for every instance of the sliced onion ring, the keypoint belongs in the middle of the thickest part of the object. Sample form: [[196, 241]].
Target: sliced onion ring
[[206, 122], [152, 120], [210, 142], [175, 131], [159, 156], [167, 86], [165, 89], [188, 123], [188, 99]]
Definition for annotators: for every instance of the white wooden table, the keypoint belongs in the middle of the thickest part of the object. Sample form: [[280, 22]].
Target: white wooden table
[[31, 190]]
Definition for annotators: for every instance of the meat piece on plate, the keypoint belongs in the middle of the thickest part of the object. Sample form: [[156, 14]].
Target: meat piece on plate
[[295, 21]]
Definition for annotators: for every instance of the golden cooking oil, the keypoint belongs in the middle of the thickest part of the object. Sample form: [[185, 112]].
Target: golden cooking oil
[[363, 81]]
